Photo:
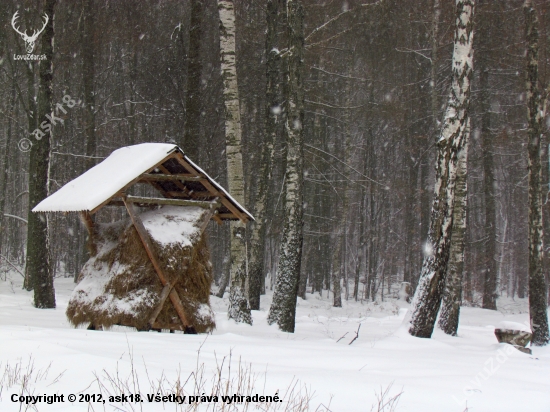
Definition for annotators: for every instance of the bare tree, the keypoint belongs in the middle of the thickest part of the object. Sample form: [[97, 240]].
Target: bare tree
[[429, 292], [537, 284], [273, 114], [39, 266], [238, 304], [283, 307], [88, 79], [452, 298], [194, 71]]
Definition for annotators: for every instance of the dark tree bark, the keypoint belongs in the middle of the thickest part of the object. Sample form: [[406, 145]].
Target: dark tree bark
[[537, 283], [39, 266], [191, 138], [427, 299], [273, 113], [88, 79], [283, 307], [490, 268]]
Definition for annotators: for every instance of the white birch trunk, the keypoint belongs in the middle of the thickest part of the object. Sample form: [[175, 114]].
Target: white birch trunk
[[429, 292], [238, 305], [452, 299]]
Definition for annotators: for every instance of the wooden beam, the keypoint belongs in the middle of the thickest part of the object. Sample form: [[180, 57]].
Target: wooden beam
[[173, 202], [173, 178], [226, 202], [192, 195], [162, 299], [217, 219], [131, 183], [144, 236], [176, 182]]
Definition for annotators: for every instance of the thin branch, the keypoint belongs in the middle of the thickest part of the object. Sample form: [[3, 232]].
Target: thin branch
[[334, 107], [76, 155], [327, 23], [356, 334], [16, 217], [344, 163], [13, 266]]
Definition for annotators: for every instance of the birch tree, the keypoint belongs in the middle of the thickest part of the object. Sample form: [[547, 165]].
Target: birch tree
[[283, 307], [39, 266], [452, 298], [537, 284], [238, 304], [427, 299]]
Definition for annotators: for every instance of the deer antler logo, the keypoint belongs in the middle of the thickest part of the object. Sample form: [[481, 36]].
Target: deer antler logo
[[29, 40]]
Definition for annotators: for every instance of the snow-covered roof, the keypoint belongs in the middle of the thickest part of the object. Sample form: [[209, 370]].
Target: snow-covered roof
[[123, 167]]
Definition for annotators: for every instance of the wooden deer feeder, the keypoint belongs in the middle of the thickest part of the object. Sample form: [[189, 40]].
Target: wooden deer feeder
[[150, 271]]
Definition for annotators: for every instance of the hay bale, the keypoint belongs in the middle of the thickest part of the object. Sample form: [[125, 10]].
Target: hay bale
[[119, 285]]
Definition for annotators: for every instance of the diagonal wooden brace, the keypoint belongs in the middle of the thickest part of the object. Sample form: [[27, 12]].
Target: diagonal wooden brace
[[144, 236], [163, 296]]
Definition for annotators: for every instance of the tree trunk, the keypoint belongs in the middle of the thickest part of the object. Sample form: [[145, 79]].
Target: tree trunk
[[361, 246], [452, 298], [283, 308], [537, 283], [191, 129], [429, 292], [337, 266], [490, 270], [5, 167], [238, 304], [32, 123], [38, 243], [272, 114], [88, 79]]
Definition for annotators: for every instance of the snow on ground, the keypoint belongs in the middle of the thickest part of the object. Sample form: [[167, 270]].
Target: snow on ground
[[469, 372]]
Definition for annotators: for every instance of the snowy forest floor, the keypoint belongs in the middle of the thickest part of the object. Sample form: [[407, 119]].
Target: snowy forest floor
[[315, 366]]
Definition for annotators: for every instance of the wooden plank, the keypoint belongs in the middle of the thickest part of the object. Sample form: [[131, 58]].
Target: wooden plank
[[174, 202], [144, 236], [192, 195], [226, 202], [173, 178]]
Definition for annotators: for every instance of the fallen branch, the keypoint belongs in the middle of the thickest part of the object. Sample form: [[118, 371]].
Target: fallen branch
[[343, 336], [356, 334]]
